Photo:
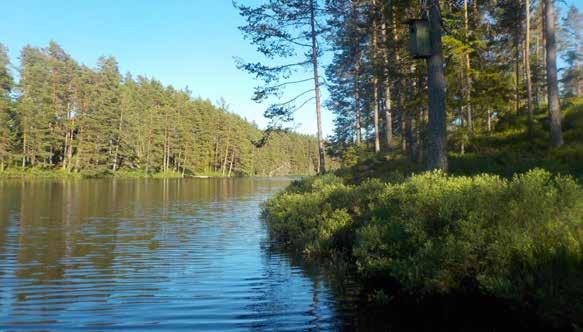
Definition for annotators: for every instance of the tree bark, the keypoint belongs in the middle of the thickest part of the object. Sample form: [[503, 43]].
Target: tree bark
[[468, 73], [375, 80], [357, 77], [357, 106], [388, 105], [322, 164], [232, 161], [552, 82], [527, 69], [437, 130], [119, 129], [377, 138]]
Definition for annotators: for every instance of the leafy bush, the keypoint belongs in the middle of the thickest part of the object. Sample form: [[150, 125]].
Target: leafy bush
[[518, 239]]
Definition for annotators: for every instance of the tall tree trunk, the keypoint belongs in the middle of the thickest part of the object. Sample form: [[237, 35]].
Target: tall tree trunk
[[322, 165], [375, 80], [232, 161], [527, 69], [409, 136], [357, 61], [224, 166], [119, 129], [437, 130], [387, 83], [544, 45], [552, 84], [412, 91], [398, 88], [357, 102], [468, 73], [489, 120], [403, 132], [517, 77], [24, 145], [377, 138], [538, 54]]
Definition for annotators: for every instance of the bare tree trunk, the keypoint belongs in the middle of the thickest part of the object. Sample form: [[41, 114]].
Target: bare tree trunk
[[119, 129], [357, 78], [409, 137], [437, 130], [357, 107], [322, 165], [375, 80], [224, 166], [412, 89], [468, 73], [377, 138], [184, 161], [538, 53], [24, 145], [517, 78], [388, 106], [552, 83], [232, 161], [398, 87], [403, 132], [527, 69], [489, 120]]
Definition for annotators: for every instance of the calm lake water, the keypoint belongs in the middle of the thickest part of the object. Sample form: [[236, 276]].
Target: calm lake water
[[186, 254]]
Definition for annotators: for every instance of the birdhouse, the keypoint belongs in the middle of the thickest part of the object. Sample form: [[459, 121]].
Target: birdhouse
[[419, 42]]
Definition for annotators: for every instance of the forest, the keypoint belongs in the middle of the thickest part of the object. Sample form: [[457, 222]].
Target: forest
[[459, 127], [498, 61], [62, 118]]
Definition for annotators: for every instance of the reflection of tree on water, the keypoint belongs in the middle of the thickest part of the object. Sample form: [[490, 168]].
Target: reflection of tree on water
[[332, 290], [96, 251]]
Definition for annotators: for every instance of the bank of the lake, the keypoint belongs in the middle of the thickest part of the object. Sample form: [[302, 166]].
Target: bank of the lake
[[38, 173], [500, 236]]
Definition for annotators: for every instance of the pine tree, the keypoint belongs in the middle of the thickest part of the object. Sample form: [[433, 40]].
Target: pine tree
[[6, 85], [282, 29], [571, 40]]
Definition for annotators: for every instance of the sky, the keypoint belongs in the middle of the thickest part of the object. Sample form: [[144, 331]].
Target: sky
[[183, 43], [179, 42]]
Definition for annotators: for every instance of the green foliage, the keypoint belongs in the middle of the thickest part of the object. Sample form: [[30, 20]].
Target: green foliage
[[519, 239], [38, 173], [93, 122]]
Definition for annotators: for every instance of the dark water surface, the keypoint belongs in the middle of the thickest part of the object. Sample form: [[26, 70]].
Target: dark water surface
[[171, 255]]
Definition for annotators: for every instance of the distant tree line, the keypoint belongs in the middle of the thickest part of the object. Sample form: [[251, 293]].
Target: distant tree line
[[64, 115]]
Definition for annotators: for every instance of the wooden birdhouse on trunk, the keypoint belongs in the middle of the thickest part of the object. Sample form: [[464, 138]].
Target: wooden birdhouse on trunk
[[419, 42]]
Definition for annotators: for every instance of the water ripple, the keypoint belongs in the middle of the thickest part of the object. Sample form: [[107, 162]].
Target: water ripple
[[150, 255]]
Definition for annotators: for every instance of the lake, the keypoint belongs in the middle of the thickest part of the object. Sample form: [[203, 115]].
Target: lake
[[185, 254]]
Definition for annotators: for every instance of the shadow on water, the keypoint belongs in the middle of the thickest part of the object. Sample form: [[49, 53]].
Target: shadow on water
[[357, 311]]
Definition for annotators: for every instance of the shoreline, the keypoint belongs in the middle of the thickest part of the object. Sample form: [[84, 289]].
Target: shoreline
[[14, 174]]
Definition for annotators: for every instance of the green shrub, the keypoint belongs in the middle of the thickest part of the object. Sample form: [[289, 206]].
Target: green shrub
[[519, 239]]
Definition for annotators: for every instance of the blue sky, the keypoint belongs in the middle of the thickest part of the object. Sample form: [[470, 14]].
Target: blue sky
[[179, 42]]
